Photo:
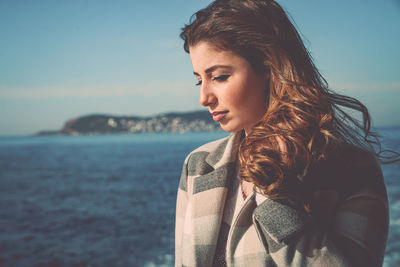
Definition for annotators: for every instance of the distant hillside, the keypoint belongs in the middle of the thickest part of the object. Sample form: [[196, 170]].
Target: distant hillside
[[196, 121]]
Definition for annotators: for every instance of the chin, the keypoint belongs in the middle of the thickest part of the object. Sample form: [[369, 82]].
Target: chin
[[231, 128]]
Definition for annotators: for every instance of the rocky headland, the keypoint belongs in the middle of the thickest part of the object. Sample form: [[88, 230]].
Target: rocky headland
[[196, 121]]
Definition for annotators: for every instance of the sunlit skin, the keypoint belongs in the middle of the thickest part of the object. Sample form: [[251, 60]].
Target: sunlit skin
[[229, 86], [230, 89]]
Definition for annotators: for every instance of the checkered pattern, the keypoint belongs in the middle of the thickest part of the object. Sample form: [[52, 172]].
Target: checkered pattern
[[278, 232]]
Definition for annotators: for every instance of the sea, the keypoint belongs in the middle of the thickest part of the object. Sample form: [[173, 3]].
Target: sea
[[109, 200]]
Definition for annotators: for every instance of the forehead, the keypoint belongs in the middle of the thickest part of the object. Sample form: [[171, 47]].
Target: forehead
[[204, 55]]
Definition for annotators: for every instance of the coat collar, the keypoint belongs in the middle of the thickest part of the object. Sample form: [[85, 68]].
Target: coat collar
[[277, 219], [226, 151], [210, 191]]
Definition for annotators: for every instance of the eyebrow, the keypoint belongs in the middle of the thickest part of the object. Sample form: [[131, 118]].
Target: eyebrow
[[212, 68]]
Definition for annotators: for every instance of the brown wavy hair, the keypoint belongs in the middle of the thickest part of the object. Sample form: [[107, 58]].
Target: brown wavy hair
[[303, 114]]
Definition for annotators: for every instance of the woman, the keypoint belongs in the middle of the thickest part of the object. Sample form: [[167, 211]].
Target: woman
[[297, 182]]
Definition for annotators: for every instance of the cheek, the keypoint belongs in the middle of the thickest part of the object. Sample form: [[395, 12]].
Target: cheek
[[246, 95], [233, 96], [242, 93], [254, 96]]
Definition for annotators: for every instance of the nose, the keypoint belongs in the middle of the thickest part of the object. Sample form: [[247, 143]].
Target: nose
[[207, 96]]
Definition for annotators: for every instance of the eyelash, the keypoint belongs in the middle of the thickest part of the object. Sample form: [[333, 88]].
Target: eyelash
[[220, 78]]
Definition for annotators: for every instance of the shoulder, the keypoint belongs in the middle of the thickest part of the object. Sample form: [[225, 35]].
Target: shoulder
[[349, 187], [347, 170], [201, 153], [211, 146], [196, 161], [362, 214]]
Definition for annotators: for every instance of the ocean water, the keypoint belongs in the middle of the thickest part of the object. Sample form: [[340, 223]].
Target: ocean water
[[110, 200]]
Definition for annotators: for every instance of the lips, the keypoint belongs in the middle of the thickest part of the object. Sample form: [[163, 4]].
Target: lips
[[218, 115]]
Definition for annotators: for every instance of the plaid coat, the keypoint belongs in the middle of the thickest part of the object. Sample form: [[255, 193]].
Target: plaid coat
[[279, 232]]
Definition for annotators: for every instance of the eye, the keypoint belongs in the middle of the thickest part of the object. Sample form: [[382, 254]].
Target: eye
[[198, 83], [221, 78]]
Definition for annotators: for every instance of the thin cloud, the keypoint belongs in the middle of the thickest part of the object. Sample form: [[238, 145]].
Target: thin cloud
[[149, 90], [160, 89], [366, 87]]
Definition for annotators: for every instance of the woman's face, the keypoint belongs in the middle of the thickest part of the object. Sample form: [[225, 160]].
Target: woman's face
[[232, 91]]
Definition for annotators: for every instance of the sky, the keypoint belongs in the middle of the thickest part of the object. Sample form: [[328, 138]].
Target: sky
[[64, 59]]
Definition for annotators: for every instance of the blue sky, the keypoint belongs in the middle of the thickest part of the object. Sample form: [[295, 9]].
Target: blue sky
[[63, 59]]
